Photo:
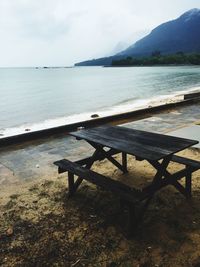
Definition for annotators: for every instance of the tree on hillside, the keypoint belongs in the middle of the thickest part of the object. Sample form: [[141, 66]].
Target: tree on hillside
[[156, 53]]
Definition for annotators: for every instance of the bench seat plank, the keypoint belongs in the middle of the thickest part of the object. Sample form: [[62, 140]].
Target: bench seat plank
[[122, 190], [187, 162]]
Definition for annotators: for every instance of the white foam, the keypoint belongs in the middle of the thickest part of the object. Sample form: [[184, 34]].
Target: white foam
[[79, 118]]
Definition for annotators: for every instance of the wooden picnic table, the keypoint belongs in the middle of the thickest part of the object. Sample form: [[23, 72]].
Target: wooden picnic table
[[142, 144], [157, 149]]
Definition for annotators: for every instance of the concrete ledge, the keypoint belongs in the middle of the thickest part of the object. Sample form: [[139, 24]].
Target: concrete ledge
[[192, 95]]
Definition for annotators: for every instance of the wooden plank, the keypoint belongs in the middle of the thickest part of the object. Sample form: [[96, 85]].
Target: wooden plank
[[105, 154], [141, 136], [102, 157], [188, 185], [124, 145], [154, 187], [71, 183], [124, 162], [87, 160], [113, 133], [185, 161], [180, 188], [139, 143], [122, 190], [151, 138]]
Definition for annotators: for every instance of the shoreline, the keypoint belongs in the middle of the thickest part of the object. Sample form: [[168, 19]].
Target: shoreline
[[157, 65], [86, 119]]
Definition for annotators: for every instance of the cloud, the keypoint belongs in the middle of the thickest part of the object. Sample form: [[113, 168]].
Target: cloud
[[61, 32]]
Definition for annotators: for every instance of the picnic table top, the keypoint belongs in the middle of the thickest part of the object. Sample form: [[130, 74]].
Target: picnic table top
[[142, 144]]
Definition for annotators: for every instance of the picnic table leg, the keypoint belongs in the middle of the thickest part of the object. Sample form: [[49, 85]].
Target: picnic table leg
[[71, 184], [124, 162], [188, 185], [106, 155], [88, 165], [161, 169], [163, 178]]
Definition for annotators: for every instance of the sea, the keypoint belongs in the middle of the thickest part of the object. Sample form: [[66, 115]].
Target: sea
[[40, 98]]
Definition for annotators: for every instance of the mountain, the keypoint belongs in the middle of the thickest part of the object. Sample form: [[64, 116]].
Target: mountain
[[181, 34]]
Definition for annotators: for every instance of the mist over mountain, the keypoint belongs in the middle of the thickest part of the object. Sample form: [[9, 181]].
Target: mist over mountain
[[179, 35]]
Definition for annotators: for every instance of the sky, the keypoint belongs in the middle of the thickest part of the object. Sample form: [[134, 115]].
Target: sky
[[63, 32]]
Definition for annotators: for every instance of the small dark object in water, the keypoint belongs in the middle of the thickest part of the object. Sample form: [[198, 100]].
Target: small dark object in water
[[94, 116], [27, 130]]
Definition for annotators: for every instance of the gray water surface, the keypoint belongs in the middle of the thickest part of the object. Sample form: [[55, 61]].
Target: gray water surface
[[30, 95]]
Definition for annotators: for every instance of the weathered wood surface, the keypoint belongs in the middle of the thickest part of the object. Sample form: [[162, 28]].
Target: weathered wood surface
[[142, 144], [194, 164], [85, 161], [122, 190]]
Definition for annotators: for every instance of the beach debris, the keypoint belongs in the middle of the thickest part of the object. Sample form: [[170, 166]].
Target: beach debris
[[149, 248], [75, 263], [80, 128], [37, 166], [176, 112], [92, 216], [27, 130], [9, 231], [94, 116]]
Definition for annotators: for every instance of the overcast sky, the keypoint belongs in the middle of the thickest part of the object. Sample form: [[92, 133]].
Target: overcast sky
[[62, 32]]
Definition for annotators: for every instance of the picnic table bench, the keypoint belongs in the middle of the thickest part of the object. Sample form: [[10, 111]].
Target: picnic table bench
[[157, 149]]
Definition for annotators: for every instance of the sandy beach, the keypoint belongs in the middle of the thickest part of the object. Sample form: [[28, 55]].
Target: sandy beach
[[40, 226]]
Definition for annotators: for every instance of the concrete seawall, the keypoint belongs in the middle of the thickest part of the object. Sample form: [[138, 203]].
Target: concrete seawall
[[133, 115]]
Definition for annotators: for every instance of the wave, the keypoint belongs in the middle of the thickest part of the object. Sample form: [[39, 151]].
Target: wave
[[122, 107], [125, 101]]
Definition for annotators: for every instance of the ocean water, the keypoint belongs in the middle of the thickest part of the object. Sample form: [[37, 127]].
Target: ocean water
[[31, 96]]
